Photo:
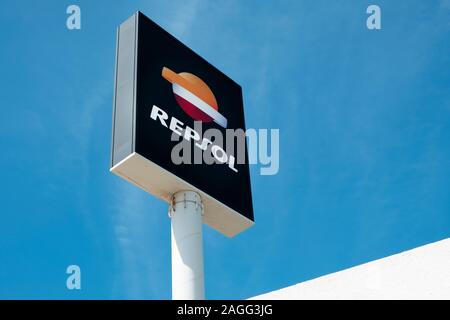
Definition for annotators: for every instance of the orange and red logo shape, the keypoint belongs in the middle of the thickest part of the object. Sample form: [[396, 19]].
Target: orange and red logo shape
[[194, 97]]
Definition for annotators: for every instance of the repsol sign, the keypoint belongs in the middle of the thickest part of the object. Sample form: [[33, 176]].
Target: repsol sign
[[163, 90]]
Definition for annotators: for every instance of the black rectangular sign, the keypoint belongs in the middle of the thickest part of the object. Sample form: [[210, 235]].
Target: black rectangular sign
[[168, 98]]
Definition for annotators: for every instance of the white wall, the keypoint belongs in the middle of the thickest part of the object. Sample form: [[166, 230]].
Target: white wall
[[420, 273]]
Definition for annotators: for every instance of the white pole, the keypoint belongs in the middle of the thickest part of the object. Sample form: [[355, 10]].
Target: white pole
[[186, 212]]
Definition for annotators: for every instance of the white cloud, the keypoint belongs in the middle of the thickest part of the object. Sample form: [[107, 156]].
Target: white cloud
[[183, 17]]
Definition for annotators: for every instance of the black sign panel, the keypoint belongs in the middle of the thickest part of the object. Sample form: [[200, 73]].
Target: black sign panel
[[162, 87]]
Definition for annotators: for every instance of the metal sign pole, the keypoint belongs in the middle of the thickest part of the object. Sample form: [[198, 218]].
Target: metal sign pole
[[186, 212]]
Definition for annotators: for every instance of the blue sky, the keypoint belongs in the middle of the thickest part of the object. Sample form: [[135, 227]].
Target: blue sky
[[364, 119]]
